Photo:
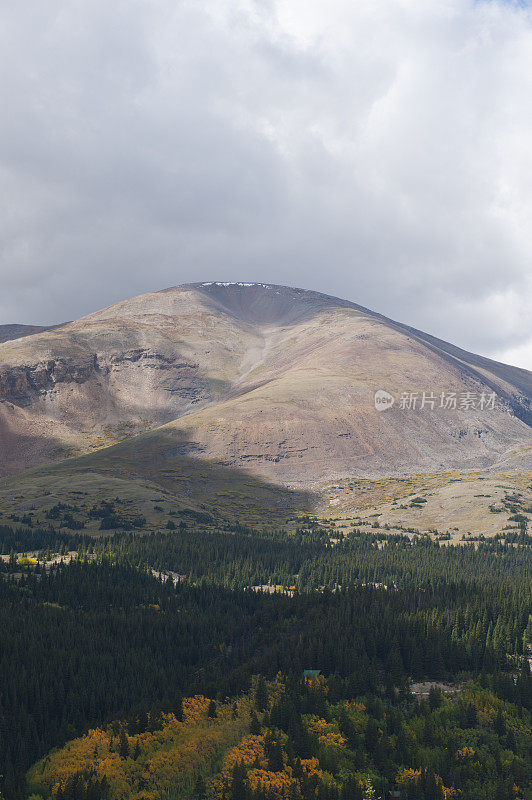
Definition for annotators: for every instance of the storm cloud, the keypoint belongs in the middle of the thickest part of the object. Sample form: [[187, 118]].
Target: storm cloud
[[378, 150]]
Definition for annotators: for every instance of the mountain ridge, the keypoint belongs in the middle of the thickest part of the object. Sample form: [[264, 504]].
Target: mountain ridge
[[271, 379], [17, 330]]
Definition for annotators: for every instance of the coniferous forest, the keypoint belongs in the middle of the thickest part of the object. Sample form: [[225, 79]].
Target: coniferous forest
[[257, 664], [258, 541]]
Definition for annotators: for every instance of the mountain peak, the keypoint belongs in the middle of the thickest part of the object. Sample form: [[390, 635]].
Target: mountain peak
[[274, 380]]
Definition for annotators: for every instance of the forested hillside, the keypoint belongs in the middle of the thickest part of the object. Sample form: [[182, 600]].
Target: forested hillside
[[301, 740], [125, 626]]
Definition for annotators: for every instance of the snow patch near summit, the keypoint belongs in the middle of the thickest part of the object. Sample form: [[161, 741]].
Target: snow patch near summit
[[235, 283]]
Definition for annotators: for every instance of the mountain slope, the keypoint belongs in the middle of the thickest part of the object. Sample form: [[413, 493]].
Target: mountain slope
[[8, 332], [265, 379]]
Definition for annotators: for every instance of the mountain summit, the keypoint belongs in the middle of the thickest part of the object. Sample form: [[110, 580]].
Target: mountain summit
[[271, 380]]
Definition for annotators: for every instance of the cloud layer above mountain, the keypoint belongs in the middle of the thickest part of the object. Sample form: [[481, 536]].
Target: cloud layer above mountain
[[376, 150]]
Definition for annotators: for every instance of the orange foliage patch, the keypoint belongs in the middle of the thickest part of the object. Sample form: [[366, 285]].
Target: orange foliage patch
[[327, 733], [311, 766], [165, 757], [276, 784], [407, 777]]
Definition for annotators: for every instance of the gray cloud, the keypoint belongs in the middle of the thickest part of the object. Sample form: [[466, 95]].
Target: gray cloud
[[375, 150]]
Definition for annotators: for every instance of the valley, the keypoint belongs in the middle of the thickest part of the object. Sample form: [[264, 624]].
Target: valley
[[227, 573]]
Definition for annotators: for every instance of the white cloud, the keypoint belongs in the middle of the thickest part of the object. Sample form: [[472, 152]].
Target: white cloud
[[377, 150], [520, 356]]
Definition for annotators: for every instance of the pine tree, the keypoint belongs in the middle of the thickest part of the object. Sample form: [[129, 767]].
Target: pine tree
[[261, 695], [238, 786], [123, 744], [254, 725]]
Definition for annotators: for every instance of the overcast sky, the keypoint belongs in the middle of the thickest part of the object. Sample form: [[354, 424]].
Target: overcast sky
[[379, 150]]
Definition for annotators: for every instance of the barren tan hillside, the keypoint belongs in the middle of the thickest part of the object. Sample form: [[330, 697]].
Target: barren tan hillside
[[261, 379]]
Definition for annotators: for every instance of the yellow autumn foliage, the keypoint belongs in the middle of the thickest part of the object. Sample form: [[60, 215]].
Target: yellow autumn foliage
[[248, 752], [465, 753], [408, 776], [165, 757], [327, 733], [194, 708], [311, 766], [278, 785]]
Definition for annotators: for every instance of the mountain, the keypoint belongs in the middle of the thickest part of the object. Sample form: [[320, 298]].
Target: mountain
[[269, 381], [8, 332]]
